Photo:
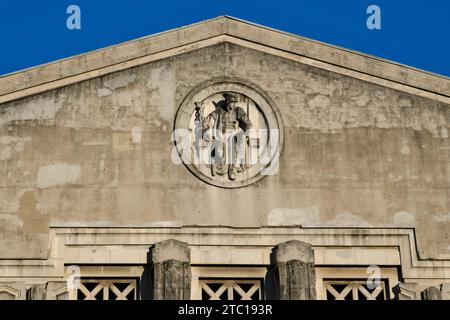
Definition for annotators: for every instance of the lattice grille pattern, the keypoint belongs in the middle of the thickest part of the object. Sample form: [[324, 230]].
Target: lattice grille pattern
[[90, 289], [231, 289], [354, 290]]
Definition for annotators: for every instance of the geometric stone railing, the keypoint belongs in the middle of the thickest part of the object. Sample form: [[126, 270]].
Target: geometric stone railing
[[231, 289], [354, 290], [95, 289]]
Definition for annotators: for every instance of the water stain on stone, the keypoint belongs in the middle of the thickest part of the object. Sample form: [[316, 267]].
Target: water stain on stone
[[33, 220]]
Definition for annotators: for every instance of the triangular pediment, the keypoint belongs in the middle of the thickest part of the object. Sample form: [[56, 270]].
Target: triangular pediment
[[212, 32]]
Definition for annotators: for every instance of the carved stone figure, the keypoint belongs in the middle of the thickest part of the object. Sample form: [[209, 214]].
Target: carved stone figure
[[226, 129], [295, 275], [228, 134], [171, 270]]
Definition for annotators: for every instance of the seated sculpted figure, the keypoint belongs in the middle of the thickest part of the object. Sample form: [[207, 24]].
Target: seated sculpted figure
[[226, 129]]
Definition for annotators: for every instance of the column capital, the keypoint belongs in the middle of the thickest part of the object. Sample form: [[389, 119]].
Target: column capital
[[293, 250], [295, 277]]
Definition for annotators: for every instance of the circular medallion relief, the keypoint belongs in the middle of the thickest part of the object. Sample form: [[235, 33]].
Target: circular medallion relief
[[228, 134]]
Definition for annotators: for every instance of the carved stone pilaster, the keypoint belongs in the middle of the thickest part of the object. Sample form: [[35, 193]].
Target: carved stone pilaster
[[432, 293], [171, 270], [52, 290], [437, 293], [36, 292], [403, 291], [445, 291], [13, 290], [295, 277], [57, 290]]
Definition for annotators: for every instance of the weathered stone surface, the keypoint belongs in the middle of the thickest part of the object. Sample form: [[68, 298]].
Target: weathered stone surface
[[175, 281], [56, 290], [355, 165], [294, 271], [445, 291], [36, 292], [171, 250], [294, 250], [365, 145], [432, 293], [404, 291], [13, 290], [171, 270]]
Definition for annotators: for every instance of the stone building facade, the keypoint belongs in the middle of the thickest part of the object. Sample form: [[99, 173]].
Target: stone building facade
[[224, 160]]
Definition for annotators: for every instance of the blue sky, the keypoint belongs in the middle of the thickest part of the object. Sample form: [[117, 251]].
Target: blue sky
[[416, 33]]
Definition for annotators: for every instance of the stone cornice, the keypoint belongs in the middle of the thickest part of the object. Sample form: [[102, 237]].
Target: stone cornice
[[211, 32]]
